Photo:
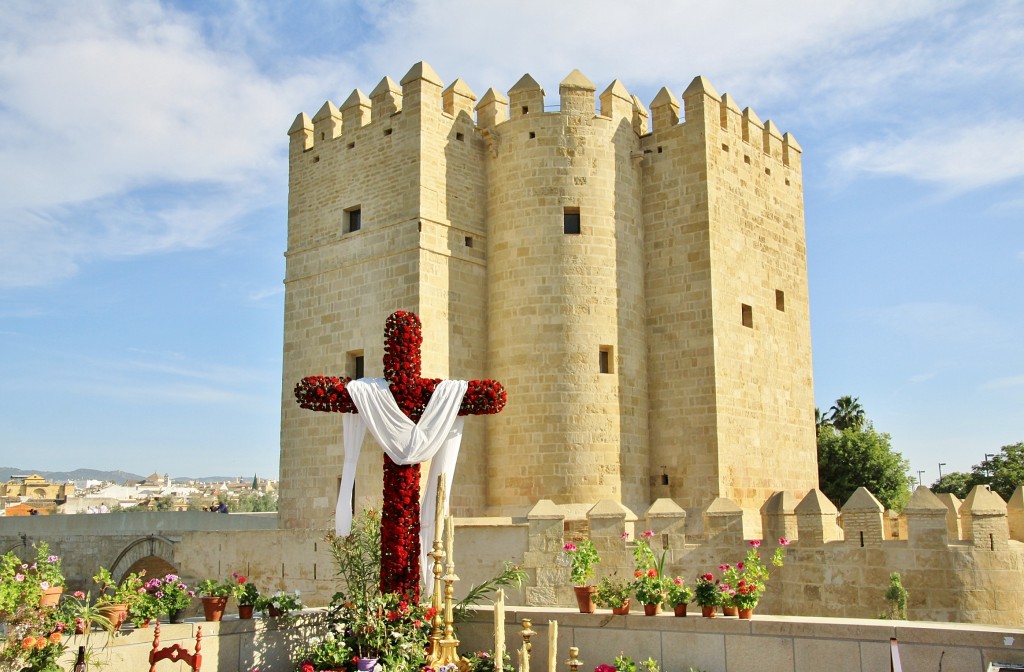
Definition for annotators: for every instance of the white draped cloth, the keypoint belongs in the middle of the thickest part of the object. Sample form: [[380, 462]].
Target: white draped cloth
[[436, 437]]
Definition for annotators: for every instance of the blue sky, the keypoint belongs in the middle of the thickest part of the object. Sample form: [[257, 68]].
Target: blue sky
[[143, 198]]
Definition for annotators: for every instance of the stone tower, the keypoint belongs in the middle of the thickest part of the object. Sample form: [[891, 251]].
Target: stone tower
[[641, 295]]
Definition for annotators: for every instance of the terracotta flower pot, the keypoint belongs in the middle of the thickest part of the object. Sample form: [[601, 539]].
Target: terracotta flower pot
[[679, 610], [245, 611], [709, 612], [730, 611], [747, 614], [115, 613], [585, 598], [652, 609], [213, 607], [623, 610], [51, 596]]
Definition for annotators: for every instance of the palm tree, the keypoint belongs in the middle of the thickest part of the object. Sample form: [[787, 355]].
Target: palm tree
[[846, 413], [820, 420]]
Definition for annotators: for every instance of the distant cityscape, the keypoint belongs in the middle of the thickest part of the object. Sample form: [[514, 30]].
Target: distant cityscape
[[87, 491]]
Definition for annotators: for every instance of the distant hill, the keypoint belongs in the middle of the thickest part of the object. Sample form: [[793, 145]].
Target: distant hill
[[76, 475], [118, 477]]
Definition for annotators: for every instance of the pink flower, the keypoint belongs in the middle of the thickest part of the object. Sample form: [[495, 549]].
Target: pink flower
[[19, 577], [44, 584], [79, 595], [52, 559], [648, 534], [569, 547], [756, 543], [783, 541], [624, 535], [740, 565], [678, 580], [724, 567]]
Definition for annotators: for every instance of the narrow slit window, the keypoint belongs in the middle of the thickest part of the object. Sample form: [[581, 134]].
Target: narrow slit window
[[571, 221], [747, 314], [387, 131], [780, 300], [469, 241], [355, 365], [746, 159], [460, 137], [353, 219], [351, 145], [605, 362], [532, 135], [526, 109]]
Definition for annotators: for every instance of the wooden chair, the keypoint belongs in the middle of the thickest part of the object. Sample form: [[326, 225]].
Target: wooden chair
[[175, 652]]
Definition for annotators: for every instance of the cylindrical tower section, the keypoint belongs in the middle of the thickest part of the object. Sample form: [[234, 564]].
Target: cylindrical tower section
[[566, 309]]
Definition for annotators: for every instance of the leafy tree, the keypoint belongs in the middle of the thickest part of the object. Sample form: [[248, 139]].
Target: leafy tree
[[255, 501], [854, 457], [1004, 471], [847, 413], [957, 482]]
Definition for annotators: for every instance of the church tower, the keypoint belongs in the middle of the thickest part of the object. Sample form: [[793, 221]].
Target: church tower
[[641, 295]]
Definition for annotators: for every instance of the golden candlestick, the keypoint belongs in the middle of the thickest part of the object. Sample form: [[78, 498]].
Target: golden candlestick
[[437, 624], [574, 661]]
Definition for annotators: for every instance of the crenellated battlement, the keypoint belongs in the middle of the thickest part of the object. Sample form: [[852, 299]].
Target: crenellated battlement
[[853, 545], [701, 105]]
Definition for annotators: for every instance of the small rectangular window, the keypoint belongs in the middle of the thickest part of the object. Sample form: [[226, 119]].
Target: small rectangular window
[[605, 362], [746, 159], [460, 137], [532, 135], [353, 219], [780, 300], [469, 241], [571, 220], [387, 131], [355, 364], [748, 316], [526, 109]]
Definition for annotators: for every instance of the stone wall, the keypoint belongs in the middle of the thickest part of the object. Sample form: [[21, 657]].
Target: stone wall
[[779, 644]]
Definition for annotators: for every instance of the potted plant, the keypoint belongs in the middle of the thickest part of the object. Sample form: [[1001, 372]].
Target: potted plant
[[582, 556], [115, 599], [279, 604], [47, 574], [171, 594], [214, 595], [649, 584], [752, 579], [144, 609], [679, 595], [329, 652], [613, 592], [245, 593], [727, 584], [707, 594]]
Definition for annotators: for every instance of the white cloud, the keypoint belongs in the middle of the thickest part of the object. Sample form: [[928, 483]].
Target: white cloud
[[957, 158], [104, 100], [999, 383]]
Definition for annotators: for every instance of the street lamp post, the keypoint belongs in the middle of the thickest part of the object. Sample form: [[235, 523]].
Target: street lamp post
[[920, 472], [941, 465]]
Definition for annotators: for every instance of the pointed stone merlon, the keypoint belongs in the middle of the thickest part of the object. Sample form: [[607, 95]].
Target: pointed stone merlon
[[300, 135], [816, 519], [576, 94], [771, 140], [491, 110], [640, 116], [701, 103], [326, 123], [778, 516], [664, 110], [1015, 514], [983, 518], [385, 99], [526, 97], [458, 98], [926, 519], [791, 152], [616, 102], [355, 111], [546, 524], [421, 88], [862, 519], [723, 522], [952, 505], [751, 127], [729, 117], [668, 522], [608, 520]]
